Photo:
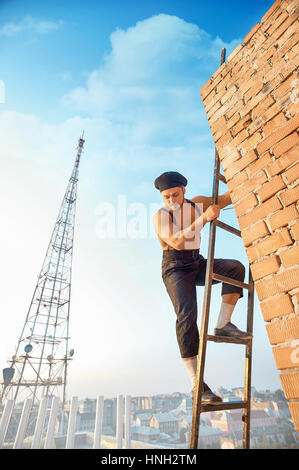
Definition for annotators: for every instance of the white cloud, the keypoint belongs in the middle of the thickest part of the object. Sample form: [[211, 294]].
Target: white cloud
[[147, 86], [28, 23]]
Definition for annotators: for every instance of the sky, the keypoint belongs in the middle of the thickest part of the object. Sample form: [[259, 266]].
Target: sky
[[128, 73]]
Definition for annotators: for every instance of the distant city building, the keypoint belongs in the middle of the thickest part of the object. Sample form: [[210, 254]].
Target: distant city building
[[271, 423], [145, 433], [165, 422], [142, 419]]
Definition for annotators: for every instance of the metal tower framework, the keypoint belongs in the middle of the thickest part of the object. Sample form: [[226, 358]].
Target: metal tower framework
[[39, 366]]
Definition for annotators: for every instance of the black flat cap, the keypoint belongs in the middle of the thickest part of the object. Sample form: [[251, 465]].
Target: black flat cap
[[170, 179]]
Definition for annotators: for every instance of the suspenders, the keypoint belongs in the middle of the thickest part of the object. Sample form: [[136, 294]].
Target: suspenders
[[171, 212]]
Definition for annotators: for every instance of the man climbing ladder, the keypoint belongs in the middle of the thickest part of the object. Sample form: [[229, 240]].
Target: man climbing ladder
[[178, 225]]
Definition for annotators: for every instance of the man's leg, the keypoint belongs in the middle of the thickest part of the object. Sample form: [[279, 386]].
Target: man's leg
[[227, 306], [207, 395], [181, 289], [230, 294], [182, 292]]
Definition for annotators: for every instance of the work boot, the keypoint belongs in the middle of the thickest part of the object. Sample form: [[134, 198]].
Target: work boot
[[231, 331], [207, 395]]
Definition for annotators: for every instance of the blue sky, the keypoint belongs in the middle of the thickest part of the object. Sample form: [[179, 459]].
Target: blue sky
[[129, 74]]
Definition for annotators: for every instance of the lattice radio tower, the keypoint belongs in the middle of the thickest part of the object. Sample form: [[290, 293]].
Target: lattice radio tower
[[39, 366]]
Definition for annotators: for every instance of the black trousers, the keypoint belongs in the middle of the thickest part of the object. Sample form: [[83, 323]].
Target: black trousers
[[182, 271]]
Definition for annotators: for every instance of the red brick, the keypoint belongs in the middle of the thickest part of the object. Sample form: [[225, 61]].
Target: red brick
[[250, 143], [235, 102], [266, 56], [224, 139], [222, 69], [290, 195], [211, 100], [290, 385], [292, 54], [286, 357], [265, 267], [235, 108], [262, 106], [271, 188], [287, 86], [283, 162], [242, 124], [293, 173], [250, 185], [275, 137], [278, 283], [269, 245], [247, 203], [286, 44], [274, 124], [245, 84], [219, 125], [235, 52], [212, 82], [260, 164], [278, 65], [286, 144], [283, 27], [277, 307], [253, 90], [233, 120], [260, 212], [228, 94], [242, 74], [271, 11], [255, 232], [283, 330], [295, 230], [265, 116], [252, 103], [290, 257], [240, 137], [212, 111], [279, 20], [283, 217], [251, 33], [238, 179], [291, 6], [240, 165], [231, 158]]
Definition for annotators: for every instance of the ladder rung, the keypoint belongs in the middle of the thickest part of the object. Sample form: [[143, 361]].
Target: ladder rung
[[221, 177], [227, 339], [227, 227], [225, 405], [229, 280]]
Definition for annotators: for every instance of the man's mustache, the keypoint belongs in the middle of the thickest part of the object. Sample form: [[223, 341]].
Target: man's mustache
[[174, 206]]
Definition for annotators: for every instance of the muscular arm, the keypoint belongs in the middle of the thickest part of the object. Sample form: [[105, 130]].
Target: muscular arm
[[176, 239], [223, 200]]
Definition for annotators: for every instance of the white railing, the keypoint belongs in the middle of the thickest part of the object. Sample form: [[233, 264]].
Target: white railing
[[123, 423]]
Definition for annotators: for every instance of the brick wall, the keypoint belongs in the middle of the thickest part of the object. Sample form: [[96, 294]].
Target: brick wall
[[252, 103]]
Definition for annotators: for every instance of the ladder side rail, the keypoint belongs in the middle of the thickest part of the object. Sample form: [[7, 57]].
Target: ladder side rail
[[248, 365], [205, 318]]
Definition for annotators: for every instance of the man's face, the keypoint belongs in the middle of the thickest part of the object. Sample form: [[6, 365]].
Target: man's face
[[174, 197]]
